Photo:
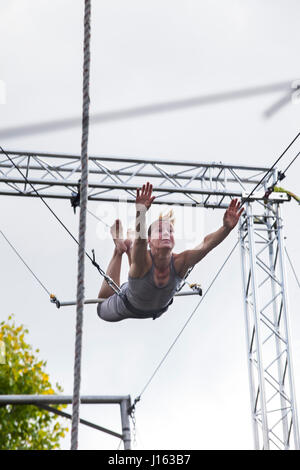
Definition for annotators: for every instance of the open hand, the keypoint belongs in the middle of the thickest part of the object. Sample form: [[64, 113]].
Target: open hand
[[144, 195], [232, 214]]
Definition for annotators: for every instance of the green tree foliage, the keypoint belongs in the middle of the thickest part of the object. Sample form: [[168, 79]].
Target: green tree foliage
[[24, 427]]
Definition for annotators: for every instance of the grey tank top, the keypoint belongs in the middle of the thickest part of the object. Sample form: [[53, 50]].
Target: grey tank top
[[145, 295]]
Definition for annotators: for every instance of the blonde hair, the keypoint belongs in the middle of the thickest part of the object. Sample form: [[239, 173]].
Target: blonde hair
[[169, 216]]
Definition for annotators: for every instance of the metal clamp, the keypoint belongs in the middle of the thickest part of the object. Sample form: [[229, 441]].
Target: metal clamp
[[196, 288], [54, 300]]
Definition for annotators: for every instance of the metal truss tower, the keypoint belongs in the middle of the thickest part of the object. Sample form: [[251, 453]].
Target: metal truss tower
[[272, 390], [209, 185]]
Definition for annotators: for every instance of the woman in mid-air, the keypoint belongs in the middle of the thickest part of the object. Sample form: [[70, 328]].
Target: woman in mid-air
[[155, 273]]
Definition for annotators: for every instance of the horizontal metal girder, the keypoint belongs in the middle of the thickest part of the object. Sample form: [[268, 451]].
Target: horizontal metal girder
[[60, 399], [115, 179]]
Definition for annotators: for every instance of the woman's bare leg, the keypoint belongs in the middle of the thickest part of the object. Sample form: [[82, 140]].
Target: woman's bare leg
[[114, 267], [113, 271], [129, 242]]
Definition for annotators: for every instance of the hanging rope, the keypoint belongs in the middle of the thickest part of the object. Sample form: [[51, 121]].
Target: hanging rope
[[82, 226]]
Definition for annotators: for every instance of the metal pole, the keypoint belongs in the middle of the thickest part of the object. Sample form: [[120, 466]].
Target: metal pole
[[126, 159], [51, 409], [248, 334], [287, 328], [124, 186], [60, 399], [117, 199], [43, 401], [124, 406], [256, 312], [141, 174], [68, 303], [278, 342]]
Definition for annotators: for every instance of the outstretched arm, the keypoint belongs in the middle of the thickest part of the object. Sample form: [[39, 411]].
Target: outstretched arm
[[230, 219], [143, 202]]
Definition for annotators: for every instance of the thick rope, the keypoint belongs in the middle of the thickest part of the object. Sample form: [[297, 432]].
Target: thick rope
[[82, 226]]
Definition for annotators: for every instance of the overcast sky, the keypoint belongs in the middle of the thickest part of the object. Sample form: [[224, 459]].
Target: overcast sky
[[147, 52]]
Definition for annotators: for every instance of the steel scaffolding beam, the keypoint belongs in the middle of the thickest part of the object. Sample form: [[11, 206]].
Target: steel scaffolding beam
[[209, 185]]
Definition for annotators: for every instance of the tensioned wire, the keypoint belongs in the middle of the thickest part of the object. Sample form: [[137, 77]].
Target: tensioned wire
[[290, 164], [161, 362], [24, 262], [214, 279], [107, 225], [179, 334], [246, 200], [292, 267], [72, 236], [115, 288], [194, 311], [248, 197], [272, 167], [107, 278], [186, 323]]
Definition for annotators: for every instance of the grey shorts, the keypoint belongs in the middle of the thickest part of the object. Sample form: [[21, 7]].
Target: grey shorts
[[113, 309]]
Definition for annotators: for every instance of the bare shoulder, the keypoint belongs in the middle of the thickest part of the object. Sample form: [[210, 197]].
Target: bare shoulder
[[180, 263], [139, 270]]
